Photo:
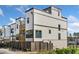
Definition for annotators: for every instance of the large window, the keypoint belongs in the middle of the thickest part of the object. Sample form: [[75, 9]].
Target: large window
[[59, 27], [59, 36], [29, 34], [38, 34]]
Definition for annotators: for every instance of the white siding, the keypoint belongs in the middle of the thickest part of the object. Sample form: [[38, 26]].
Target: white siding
[[14, 28], [43, 19], [55, 12], [29, 26], [46, 22], [6, 32], [52, 36]]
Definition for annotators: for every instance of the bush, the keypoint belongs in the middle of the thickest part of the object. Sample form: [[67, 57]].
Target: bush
[[66, 51], [73, 51]]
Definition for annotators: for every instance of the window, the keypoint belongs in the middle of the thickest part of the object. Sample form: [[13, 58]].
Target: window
[[59, 36], [17, 26], [59, 27], [0, 33], [38, 34], [58, 13], [29, 34], [27, 20], [12, 30], [49, 31]]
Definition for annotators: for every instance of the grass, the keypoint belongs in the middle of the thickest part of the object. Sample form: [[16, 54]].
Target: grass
[[47, 52], [61, 51], [74, 46], [77, 51]]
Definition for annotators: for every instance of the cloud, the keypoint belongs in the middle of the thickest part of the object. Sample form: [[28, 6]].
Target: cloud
[[69, 29], [11, 21], [1, 12], [72, 19], [73, 24], [22, 9], [76, 25], [0, 27]]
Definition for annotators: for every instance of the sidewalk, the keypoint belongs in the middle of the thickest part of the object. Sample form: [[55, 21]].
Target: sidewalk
[[7, 51]]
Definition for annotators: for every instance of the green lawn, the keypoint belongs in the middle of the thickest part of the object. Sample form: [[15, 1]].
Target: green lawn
[[77, 51], [61, 51], [74, 46]]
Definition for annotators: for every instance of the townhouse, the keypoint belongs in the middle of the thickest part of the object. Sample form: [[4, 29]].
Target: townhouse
[[6, 33], [47, 26], [0, 35], [40, 30]]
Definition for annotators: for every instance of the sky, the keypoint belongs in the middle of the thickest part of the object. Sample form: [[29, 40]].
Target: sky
[[8, 14]]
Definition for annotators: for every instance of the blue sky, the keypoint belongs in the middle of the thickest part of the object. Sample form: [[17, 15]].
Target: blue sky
[[8, 14]]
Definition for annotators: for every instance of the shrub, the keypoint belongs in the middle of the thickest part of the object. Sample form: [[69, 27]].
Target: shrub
[[67, 50], [73, 51]]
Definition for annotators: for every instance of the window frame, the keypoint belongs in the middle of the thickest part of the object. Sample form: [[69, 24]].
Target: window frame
[[29, 34], [40, 34]]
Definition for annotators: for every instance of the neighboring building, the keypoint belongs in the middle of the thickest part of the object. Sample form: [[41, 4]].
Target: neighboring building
[[47, 25], [73, 40], [6, 33], [0, 33], [13, 31]]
